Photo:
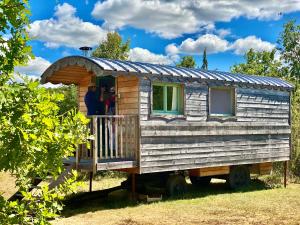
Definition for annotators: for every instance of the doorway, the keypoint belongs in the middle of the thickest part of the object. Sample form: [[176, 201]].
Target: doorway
[[106, 94]]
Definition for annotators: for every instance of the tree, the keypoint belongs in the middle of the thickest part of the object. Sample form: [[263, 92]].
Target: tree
[[112, 48], [34, 136], [204, 61], [259, 63], [187, 61], [265, 64], [290, 49], [13, 37], [290, 54], [70, 98]]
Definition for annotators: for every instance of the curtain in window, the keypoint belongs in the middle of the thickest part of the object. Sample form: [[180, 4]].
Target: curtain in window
[[174, 99], [221, 101]]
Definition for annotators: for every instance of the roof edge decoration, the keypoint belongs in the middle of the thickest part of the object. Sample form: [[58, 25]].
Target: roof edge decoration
[[100, 65]]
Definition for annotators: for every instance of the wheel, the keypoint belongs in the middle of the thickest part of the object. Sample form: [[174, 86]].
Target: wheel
[[200, 181], [238, 177], [176, 185]]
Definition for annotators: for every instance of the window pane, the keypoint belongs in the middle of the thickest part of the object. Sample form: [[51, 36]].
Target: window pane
[[158, 97], [172, 101], [221, 101]]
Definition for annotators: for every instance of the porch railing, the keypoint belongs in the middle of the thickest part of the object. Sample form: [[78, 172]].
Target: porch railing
[[115, 137]]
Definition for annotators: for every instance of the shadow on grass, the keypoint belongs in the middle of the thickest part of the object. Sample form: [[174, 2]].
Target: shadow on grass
[[95, 201]]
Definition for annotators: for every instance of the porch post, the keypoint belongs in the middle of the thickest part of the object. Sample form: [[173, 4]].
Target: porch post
[[91, 181], [285, 173], [133, 186]]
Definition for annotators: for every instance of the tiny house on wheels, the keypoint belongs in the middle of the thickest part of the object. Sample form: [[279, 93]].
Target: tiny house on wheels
[[172, 121]]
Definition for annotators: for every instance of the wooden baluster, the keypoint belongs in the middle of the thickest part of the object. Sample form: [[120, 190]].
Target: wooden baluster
[[137, 138], [116, 136], [121, 137], [106, 139], [111, 135], [101, 136], [126, 135], [130, 137], [95, 150], [133, 136]]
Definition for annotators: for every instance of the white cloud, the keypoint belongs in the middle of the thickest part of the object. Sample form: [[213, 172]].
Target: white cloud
[[34, 68], [223, 32], [211, 42], [166, 19], [64, 28], [144, 55], [171, 19], [242, 45], [216, 44]]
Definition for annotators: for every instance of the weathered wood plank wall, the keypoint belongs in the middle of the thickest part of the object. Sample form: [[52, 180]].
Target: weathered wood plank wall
[[81, 92], [259, 132], [128, 95]]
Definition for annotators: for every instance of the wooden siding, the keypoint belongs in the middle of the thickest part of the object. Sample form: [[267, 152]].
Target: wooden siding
[[81, 92], [128, 95], [70, 75], [258, 133]]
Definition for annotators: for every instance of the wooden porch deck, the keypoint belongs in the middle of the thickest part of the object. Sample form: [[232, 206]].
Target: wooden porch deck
[[102, 165], [115, 144]]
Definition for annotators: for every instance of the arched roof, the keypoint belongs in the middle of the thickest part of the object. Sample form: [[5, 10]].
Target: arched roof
[[75, 68]]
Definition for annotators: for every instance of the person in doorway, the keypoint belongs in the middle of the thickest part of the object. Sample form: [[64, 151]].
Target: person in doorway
[[101, 102], [110, 110], [90, 100], [110, 102]]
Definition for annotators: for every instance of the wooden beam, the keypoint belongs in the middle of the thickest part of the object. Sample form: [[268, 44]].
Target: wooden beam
[[209, 171], [285, 173]]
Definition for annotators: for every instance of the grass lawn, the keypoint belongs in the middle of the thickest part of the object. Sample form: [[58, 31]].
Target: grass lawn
[[214, 205], [257, 205]]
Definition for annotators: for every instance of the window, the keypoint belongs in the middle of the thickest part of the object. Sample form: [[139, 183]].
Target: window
[[167, 99], [222, 101]]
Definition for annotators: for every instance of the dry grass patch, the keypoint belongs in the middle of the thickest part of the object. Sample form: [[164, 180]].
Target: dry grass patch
[[214, 205], [7, 185]]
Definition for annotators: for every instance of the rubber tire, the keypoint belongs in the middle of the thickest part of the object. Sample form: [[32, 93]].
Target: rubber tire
[[238, 177], [200, 181], [176, 185]]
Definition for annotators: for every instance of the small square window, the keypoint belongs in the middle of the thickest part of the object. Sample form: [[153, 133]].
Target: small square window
[[222, 101], [167, 99]]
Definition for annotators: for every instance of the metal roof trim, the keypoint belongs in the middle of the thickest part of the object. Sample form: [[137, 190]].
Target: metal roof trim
[[96, 64]]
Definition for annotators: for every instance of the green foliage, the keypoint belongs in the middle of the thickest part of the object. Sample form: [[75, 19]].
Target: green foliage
[[13, 36], [290, 54], [204, 61], [34, 134], [187, 61], [112, 48], [34, 138], [70, 98], [290, 49], [37, 208], [260, 63], [265, 64]]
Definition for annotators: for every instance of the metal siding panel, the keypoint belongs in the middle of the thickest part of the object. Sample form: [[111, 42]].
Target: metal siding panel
[[142, 66], [223, 77], [138, 67], [131, 67], [116, 65], [104, 64], [153, 68]]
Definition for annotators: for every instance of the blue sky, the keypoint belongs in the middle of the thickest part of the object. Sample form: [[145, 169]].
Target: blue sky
[[160, 31]]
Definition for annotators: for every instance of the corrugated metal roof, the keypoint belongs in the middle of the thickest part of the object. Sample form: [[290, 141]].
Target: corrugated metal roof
[[165, 70], [148, 69]]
